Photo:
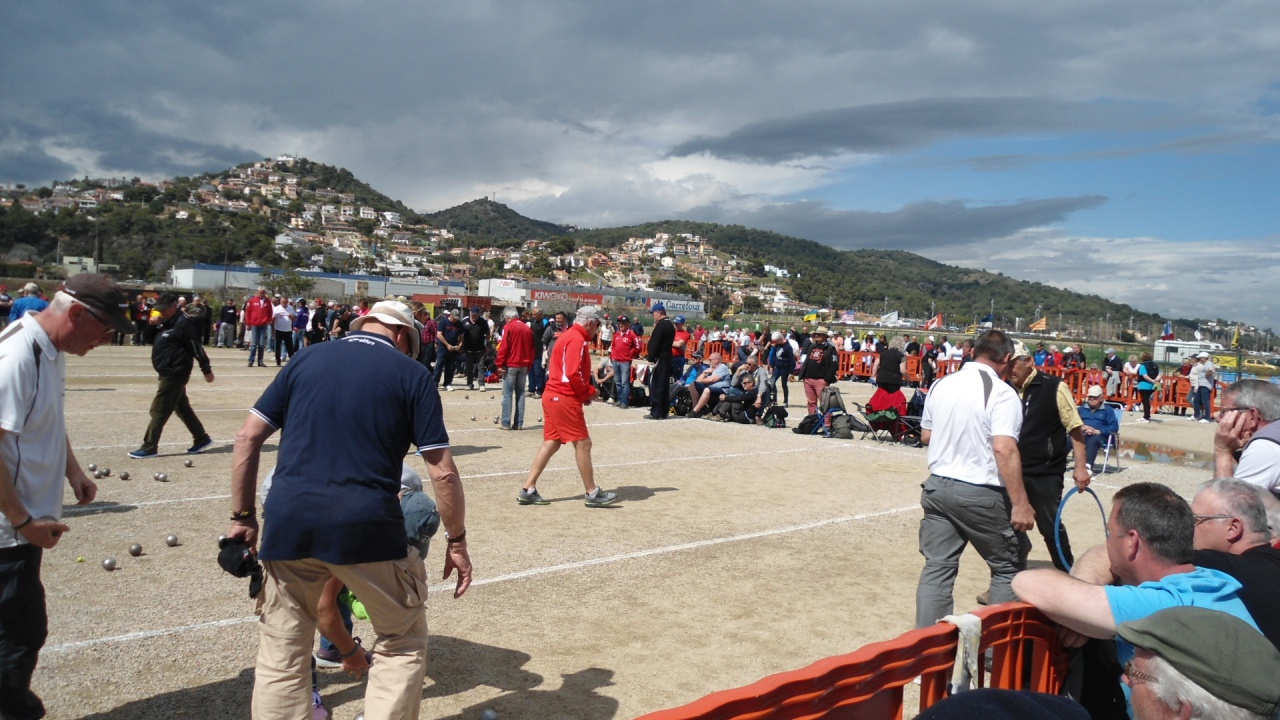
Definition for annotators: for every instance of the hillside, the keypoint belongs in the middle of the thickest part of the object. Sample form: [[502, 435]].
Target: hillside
[[872, 280], [485, 222]]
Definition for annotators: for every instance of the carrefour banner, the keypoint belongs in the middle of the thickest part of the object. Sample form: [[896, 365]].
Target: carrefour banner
[[566, 296], [674, 306]]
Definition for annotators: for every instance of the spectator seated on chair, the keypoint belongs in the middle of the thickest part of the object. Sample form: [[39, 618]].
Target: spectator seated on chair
[[710, 384], [885, 410], [1099, 423]]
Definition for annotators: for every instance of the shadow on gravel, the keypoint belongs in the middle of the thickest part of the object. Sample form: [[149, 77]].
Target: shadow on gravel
[[215, 701], [637, 493], [460, 450], [455, 666], [577, 697], [97, 508]]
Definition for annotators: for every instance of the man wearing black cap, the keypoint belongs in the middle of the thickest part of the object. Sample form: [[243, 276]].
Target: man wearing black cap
[[177, 347], [35, 458], [475, 337], [659, 353]]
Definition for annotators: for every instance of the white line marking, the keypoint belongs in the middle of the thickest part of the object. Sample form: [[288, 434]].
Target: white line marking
[[509, 577]]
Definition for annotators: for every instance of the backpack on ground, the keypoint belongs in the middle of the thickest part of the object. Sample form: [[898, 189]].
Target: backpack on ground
[[842, 426], [830, 399], [639, 396], [682, 401], [915, 406], [810, 425], [775, 417]]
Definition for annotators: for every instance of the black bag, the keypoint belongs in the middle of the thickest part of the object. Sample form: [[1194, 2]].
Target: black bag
[[810, 425], [915, 406], [639, 396], [775, 417], [682, 401], [842, 426]]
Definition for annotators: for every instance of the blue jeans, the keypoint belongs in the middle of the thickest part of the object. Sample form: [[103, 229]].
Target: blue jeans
[[513, 385], [537, 376], [1200, 404], [779, 374], [1092, 444], [622, 382], [24, 625], [258, 342]]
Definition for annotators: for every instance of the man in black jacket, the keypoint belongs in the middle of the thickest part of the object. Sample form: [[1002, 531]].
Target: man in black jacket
[[177, 345], [821, 363], [659, 353], [475, 340], [1050, 426]]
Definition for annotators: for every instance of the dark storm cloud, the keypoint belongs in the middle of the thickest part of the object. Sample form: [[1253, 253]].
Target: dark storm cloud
[[890, 127], [915, 227], [28, 164]]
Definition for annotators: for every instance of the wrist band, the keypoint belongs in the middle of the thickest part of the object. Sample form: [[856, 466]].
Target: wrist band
[[344, 656], [243, 514], [455, 540], [31, 517]]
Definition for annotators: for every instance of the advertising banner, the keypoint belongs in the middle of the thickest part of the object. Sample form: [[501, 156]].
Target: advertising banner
[[566, 296]]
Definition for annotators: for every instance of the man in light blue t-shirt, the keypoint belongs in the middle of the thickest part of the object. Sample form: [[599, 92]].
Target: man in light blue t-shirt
[[1145, 566]]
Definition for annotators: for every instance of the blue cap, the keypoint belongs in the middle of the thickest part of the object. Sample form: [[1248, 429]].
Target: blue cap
[[475, 308], [679, 319], [658, 307]]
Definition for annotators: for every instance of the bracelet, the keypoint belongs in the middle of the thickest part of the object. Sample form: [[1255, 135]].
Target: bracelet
[[455, 540], [31, 517], [243, 514], [344, 656]]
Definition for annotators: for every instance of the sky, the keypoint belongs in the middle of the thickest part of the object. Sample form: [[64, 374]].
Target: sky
[[1125, 149]]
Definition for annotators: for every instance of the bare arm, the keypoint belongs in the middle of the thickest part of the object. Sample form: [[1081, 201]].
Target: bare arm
[[329, 622], [244, 476], [1081, 473], [84, 488], [452, 505], [1009, 462], [1081, 606]]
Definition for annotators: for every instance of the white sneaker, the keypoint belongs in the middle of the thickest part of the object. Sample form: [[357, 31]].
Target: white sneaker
[[1142, 420], [448, 388], [1203, 420], [482, 388]]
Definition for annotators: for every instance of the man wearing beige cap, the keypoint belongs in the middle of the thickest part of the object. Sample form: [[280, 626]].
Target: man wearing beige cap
[[35, 459], [1193, 662], [388, 405]]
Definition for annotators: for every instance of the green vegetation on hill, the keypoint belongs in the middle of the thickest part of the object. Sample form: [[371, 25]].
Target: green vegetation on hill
[[872, 280], [485, 222]]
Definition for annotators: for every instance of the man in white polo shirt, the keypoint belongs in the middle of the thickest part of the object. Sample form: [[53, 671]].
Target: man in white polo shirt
[[974, 493]]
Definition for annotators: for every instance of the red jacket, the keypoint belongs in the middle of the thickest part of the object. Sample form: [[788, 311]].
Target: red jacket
[[626, 346], [257, 311], [516, 347], [569, 369]]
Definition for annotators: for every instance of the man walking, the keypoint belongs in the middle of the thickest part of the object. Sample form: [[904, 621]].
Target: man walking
[[538, 374], [257, 322], [35, 458], [475, 340], [568, 390], [625, 348], [1051, 426], [659, 354], [974, 492], [391, 403], [282, 316], [450, 345], [515, 357], [177, 347]]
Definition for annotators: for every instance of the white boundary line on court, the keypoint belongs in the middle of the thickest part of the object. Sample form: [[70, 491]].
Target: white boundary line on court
[[509, 577]]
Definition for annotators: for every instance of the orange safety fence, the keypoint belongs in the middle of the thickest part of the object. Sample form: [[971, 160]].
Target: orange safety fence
[[868, 683]]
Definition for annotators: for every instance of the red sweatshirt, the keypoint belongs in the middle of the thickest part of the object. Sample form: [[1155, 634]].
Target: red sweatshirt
[[569, 369], [626, 346], [516, 347]]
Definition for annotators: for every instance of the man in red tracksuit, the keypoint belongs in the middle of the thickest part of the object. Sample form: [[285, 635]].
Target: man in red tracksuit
[[568, 390], [515, 357]]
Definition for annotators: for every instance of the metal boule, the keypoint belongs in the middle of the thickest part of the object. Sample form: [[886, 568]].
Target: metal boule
[[135, 549], [171, 541], [109, 564]]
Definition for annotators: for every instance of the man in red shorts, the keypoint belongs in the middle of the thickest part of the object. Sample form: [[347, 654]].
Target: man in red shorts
[[568, 390]]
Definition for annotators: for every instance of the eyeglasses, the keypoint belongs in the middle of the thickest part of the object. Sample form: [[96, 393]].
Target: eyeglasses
[[1197, 519], [1136, 676], [106, 324], [1222, 412]]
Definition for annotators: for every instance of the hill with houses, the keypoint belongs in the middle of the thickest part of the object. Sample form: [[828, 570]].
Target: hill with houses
[[295, 213]]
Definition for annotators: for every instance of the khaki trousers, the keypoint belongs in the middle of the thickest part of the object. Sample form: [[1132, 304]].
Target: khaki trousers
[[394, 593]]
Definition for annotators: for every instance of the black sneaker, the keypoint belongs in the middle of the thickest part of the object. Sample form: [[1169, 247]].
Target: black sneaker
[[200, 446]]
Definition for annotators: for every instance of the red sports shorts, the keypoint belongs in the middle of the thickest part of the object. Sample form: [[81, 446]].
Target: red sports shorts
[[563, 419]]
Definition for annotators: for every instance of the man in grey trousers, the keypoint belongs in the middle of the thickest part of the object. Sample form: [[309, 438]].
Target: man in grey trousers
[[974, 493]]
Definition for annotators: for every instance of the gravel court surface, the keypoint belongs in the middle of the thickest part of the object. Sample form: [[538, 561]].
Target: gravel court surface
[[736, 552]]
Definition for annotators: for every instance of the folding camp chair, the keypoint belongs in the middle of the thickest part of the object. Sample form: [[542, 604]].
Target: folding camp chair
[[1113, 439]]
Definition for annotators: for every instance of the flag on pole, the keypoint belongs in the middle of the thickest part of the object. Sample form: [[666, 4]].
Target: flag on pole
[[889, 318], [1235, 340], [1167, 333], [934, 322], [1041, 325], [988, 321]]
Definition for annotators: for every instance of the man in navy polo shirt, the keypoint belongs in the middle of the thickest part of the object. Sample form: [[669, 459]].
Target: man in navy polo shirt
[[335, 513]]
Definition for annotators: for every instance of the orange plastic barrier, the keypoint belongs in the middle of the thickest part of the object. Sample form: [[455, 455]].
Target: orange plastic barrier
[[868, 683]]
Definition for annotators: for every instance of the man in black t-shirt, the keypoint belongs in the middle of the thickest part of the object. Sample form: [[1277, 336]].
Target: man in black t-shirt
[[475, 339], [1232, 536]]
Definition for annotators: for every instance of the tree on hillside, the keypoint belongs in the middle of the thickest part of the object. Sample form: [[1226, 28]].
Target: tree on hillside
[[289, 283]]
